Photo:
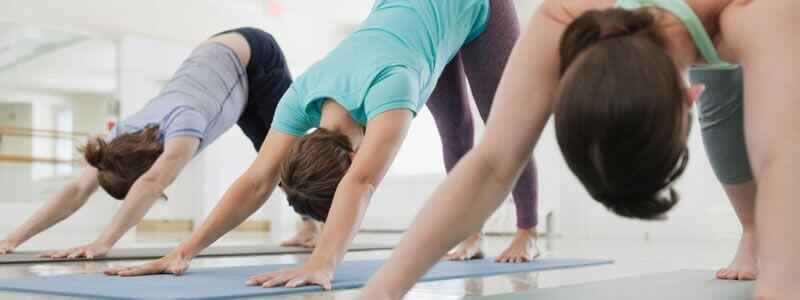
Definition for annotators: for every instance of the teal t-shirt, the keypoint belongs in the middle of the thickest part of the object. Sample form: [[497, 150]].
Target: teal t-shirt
[[392, 61]]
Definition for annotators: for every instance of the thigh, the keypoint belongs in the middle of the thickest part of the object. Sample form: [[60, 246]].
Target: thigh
[[485, 58], [449, 102]]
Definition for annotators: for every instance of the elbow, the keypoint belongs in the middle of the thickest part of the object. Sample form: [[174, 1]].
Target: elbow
[[496, 166], [151, 184], [256, 186], [365, 184], [76, 190]]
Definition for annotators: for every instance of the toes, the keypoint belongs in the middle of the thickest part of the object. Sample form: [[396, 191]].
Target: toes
[[747, 276], [729, 275], [723, 274], [732, 275]]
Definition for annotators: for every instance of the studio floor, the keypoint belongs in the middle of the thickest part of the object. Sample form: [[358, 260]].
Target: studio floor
[[632, 257]]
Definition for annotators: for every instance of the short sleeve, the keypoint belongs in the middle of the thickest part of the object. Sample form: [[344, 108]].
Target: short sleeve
[[290, 117], [186, 122], [397, 88]]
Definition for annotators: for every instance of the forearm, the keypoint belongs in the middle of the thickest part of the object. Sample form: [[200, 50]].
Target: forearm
[[142, 196], [237, 204], [61, 206], [344, 219], [458, 208]]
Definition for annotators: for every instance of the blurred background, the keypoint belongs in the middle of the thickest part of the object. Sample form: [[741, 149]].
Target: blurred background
[[70, 69]]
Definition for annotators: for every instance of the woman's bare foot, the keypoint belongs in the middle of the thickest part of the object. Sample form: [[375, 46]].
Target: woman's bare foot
[[471, 248], [522, 249], [306, 236], [744, 265]]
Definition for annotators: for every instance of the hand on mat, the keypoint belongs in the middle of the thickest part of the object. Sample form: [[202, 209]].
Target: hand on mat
[[92, 250], [173, 263], [292, 278], [7, 247]]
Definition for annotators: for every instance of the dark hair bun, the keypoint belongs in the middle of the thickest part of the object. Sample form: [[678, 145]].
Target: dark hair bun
[[94, 151], [599, 25]]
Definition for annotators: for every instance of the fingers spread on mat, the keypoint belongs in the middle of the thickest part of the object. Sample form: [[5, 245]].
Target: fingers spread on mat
[[293, 278]]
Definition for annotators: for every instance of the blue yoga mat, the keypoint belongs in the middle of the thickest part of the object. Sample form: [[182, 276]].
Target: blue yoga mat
[[224, 283]]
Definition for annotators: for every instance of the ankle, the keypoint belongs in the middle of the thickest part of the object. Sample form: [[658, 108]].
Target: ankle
[[476, 237], [748, 231], [527, 232]]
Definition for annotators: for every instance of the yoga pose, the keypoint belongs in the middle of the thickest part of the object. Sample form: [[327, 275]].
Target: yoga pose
[[360, 100], [610, 71], [236, 77]]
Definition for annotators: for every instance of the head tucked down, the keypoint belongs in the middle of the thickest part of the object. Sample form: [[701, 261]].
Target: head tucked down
[[122, 161], [621, 111], [313, 170]]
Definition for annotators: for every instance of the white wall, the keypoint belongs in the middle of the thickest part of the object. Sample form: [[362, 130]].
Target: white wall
[[26, 192]]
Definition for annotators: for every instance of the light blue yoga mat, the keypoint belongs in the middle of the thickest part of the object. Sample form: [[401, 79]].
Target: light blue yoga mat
[[224, 283]]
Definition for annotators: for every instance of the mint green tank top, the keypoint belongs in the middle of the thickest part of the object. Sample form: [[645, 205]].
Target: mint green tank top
[[684, 12]]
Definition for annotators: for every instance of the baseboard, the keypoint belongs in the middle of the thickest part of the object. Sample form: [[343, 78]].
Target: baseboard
[[165, 226], [255, 226], [157, 225], [490, 233]]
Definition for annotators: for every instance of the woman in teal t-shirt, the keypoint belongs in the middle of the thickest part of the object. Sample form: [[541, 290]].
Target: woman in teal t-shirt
[[360, 99]]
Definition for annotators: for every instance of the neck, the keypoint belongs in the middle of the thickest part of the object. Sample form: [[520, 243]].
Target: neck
[[681, 46], [337, 118], [709, 13]]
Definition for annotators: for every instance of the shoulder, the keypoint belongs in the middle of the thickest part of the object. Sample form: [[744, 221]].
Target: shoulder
[[751, 27]]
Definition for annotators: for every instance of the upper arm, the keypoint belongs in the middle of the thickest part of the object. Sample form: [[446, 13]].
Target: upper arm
[[385, 134], [262, 174], [524, 99], [87, 182], [81, 187], [178, 151], [765, 37]]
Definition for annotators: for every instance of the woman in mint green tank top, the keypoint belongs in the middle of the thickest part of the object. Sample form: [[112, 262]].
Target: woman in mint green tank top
[[611, 74]]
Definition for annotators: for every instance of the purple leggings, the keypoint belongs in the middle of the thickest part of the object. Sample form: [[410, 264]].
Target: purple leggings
[[481, 62]]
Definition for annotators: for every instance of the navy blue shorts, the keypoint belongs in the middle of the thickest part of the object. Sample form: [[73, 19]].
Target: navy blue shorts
[[268, 78]]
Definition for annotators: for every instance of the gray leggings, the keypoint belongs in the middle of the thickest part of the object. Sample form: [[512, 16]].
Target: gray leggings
[[722, 121], [482, 62]]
